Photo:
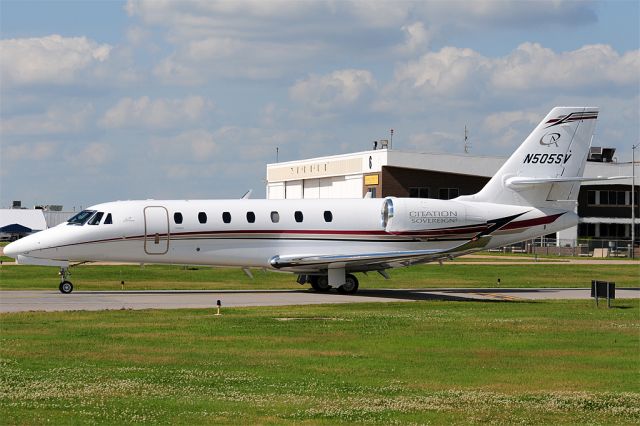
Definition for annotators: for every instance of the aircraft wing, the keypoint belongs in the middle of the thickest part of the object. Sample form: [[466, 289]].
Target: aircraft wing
[[373, 261]]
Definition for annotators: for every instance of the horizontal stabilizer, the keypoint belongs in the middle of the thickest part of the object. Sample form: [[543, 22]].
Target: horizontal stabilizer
[[526, 181]]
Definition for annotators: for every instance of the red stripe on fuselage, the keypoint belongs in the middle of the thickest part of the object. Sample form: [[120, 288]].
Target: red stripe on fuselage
[[532, 222]]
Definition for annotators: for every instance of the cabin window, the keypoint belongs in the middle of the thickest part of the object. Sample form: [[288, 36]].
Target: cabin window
[[226, 217], [177, 218], [275, 217], [251, 217], [81, 218], [202, 217], [108, 220], [298, 216], [95, 220], [328, 216]]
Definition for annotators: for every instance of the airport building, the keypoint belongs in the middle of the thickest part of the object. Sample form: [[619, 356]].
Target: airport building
[[604, 207], [18, 221]]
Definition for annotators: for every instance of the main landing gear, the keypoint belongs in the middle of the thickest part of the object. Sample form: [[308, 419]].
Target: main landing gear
[[320, 283], [65, 285]]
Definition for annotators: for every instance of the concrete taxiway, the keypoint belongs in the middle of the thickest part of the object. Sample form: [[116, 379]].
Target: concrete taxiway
[[20, 301]]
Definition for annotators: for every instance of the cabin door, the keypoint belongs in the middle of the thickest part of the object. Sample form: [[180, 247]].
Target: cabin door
[[156, 230]]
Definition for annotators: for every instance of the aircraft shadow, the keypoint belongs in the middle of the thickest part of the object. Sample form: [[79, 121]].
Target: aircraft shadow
[[430, 294]]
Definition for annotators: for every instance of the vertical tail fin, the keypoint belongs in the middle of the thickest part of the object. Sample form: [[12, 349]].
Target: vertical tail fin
[[556, 150]]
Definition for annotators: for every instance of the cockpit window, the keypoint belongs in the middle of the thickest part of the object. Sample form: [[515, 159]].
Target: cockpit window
[[108, 220], [81, 218], [95, 220]]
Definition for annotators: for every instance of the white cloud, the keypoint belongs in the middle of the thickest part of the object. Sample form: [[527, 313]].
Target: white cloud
[[60, 118], [417, 38], [198, 145], [499, 121], [532, 66], [158, 113], [195, 61], [49, 60], [447, 72], [28, 151], [266, 39], [336, 90], [465, 76], [436, 141], [91, 156]]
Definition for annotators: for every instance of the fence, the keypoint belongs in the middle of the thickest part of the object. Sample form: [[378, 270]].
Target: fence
[[580, 247]]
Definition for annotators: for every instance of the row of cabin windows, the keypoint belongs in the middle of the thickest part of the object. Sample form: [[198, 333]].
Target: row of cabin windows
[[251, 217]]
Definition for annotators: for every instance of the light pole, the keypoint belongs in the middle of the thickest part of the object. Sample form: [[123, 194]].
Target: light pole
[[633, 203]]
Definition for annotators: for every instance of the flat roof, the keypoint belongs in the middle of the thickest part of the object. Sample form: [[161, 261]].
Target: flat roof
[[373, 160]]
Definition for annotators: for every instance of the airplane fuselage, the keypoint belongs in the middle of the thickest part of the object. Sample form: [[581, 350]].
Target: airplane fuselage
[[251, 233]]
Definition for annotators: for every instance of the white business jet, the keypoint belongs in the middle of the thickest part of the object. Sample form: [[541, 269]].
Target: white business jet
[[326, 241]]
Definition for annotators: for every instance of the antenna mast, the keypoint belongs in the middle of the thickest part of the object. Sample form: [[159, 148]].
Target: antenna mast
[[467, 145]]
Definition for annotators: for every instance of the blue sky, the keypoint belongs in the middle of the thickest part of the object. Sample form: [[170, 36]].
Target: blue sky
[[188, 99]]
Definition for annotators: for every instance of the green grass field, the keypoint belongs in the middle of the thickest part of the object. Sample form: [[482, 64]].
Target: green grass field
[[553, 362], [91, 277]]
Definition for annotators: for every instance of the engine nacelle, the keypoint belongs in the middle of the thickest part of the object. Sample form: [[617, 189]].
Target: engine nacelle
[[420, 214]]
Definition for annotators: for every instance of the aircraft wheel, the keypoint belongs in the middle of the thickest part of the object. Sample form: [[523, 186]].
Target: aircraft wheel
[[66, 287], [350, 286], [320, 283]]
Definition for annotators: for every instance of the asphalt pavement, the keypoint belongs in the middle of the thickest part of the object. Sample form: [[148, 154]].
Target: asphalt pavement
[[47, 300]]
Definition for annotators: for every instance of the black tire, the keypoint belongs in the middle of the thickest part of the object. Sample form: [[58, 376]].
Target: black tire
[[320, 283], [66, 287], [350, 286]]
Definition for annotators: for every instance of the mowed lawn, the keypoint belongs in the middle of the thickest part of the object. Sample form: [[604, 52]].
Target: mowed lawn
[[552, 362], [158, 277]]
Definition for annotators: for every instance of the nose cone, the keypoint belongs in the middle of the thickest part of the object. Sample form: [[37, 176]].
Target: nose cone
[[13, 249], [23, 245]]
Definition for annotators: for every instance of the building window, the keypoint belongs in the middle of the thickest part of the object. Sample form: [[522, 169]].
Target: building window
[[613, 230], [251, 217], [448, 193], [202, 217], [226, 217], [586, 230], [328, 216], [177, 218], [275, 217], [372, 191], [591, 198], [612, 198], [298, 216], [419, 192]]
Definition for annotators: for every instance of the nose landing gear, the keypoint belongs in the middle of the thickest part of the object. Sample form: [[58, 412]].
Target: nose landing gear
[[65, 286]]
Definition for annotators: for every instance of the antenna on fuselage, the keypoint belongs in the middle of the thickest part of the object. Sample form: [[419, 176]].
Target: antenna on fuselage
[[247, 195]]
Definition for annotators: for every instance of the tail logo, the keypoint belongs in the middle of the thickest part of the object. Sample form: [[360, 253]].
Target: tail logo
[[574, 116], [550, 139]]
